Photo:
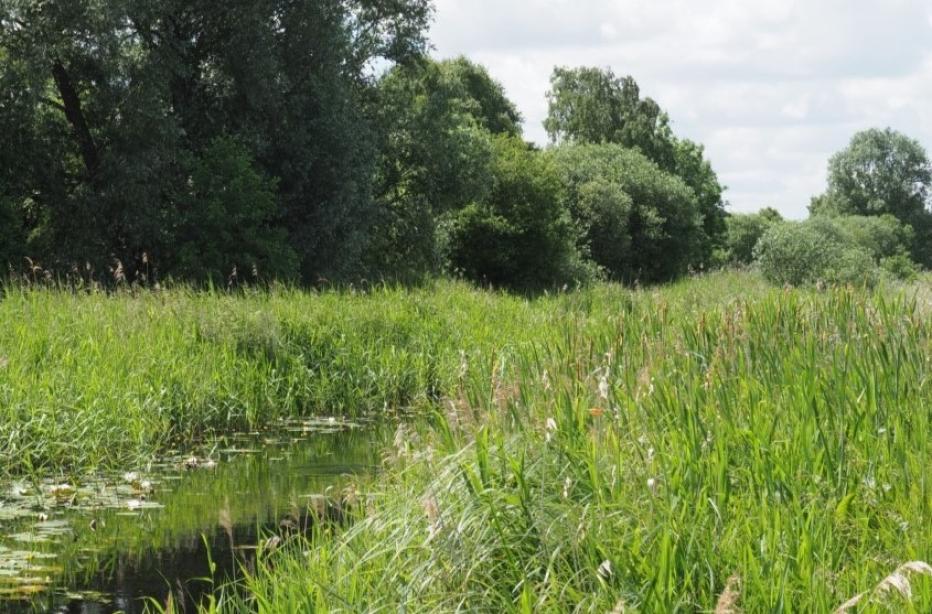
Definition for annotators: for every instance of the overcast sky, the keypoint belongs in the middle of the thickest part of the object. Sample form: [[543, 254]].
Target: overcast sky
[[771, 87]]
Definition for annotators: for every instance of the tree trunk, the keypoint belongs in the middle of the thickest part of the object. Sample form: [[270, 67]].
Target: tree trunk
[[75, 116]]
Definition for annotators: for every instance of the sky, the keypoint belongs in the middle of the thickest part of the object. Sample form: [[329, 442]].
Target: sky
[[772, 88]]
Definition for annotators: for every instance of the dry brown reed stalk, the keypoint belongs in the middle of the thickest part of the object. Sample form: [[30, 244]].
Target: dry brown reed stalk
[[728, 601], [897, 582]]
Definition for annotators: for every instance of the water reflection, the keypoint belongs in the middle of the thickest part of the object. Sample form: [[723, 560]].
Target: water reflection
[[110, 545]]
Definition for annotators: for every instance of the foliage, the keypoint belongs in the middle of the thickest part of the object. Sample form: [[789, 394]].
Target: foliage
[[661, 450], [744, 230], [108, 100], [226, 225], [882, 172], [438, 120], [521, 236], [846, 249], [593, 106], [12, 239], [636, 221]]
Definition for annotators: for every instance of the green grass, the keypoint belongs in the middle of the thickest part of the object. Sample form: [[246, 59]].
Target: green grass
[[602, 450], [647, 448], [101, 380]]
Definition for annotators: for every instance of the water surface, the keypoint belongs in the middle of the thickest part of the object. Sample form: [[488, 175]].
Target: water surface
[[108, 543]]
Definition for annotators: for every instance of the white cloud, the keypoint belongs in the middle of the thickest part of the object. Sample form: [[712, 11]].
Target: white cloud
[[771, 87]]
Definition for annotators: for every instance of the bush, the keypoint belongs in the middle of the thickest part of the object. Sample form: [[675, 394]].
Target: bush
[[227, 222], [521, 237], [11, 236], [795, 253], [900, 266], [847, 249], [743, 231]]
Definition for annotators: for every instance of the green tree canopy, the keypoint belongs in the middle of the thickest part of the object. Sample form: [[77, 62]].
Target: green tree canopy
[[594, 106], [637, 221], [108, 100], [437, 120], [882, 172], [744, 230], [520, 236]]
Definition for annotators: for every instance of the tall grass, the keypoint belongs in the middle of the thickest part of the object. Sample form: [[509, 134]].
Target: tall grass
[[697, 448], [96, 380]]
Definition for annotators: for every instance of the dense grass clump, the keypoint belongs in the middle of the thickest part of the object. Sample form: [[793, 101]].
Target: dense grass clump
[[695, 448], [99, 380]]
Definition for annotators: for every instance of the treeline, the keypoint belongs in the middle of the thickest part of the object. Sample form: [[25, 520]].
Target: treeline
[[873, 221], [315, 140]]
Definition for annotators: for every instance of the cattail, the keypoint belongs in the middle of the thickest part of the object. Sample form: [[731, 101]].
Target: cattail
[[551, 429]]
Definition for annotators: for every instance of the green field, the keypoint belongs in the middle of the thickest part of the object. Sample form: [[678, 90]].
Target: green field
[[604, 450]]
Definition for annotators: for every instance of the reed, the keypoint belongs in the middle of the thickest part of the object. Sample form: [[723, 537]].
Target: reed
[[708, 446]]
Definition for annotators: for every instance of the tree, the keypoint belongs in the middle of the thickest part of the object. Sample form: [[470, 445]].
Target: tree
[[635, 220], [11, 236], [437, 123], [520, 236], [590, 105], [882, 172], [839, 249], [110, 99], [593, 106], [226, 225]]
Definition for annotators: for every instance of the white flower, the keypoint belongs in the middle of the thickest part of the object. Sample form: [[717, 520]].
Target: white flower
[[605, 569], [652, 485], [551, 429], [603, 388]]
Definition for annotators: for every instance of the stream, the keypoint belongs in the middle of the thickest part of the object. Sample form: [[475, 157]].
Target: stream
[[110, 543]]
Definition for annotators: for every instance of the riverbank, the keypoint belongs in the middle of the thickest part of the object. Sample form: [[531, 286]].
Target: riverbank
[[712, 441], [711, 446]]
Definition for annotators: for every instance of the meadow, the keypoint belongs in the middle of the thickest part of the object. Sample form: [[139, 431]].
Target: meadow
[[716, 444]]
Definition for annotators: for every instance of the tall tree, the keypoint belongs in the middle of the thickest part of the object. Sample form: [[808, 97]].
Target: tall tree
[[882, 172], [594, 106], [117, 104], [437, 121], [639, 222]]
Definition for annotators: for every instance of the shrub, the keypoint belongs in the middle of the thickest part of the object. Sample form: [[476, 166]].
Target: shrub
[[743, 231], [11, 236], [227, 222], [521, 237], [847, 249], [795, 253]]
